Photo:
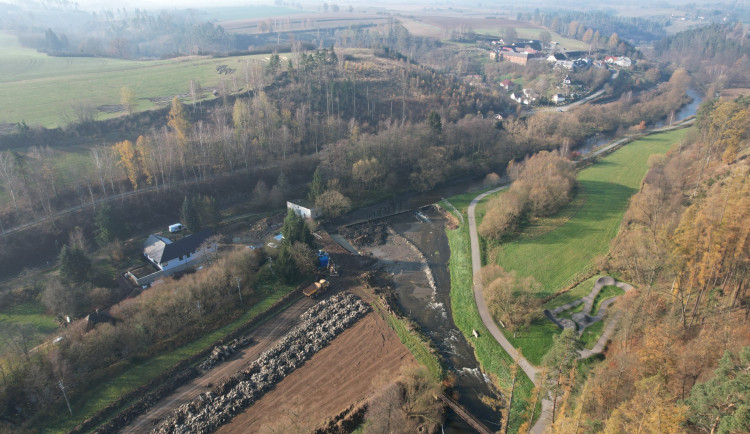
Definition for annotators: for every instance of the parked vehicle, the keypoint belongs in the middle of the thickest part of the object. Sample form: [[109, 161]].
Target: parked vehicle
[[316, 288]]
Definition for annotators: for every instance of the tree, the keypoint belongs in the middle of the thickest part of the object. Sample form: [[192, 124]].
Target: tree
[[178, 121], [108, 225], [260, 194], [333, 204], [190, 217], [722, 404], [129, 161], [558, 362], [74, 264], [367, 171], [208, 213], [511, 298], [127, 99], [510, 35], [304, 258], [317, 186], [649, 410], [546, 38], [614, 40], [10, 176], [58, 298], [284, 265], [295, 230], [435, 123]]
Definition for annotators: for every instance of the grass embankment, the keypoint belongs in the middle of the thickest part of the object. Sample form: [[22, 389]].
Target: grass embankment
[[40, 89], [560, 250], [492, 358], [418, 345], [133, 375]]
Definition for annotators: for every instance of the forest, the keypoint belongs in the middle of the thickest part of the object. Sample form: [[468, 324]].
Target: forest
[[679, 360]]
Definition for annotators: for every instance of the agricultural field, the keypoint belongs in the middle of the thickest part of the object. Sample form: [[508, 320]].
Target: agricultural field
[[41, 89], [559, 256]]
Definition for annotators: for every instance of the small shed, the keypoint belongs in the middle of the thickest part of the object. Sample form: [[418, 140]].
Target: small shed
[[303, 208]]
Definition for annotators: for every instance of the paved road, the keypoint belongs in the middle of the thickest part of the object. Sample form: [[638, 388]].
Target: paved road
[[476, 267]]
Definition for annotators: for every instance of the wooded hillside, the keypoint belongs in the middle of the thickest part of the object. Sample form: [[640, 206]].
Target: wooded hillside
[[679, 359]]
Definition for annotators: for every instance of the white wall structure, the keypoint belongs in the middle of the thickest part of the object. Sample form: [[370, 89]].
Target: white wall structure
[[303, 209]]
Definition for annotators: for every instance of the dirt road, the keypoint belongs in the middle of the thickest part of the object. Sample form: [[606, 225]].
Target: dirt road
[[359, 361], [263, 338]]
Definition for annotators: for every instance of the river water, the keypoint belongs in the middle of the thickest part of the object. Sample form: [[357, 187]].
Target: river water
[[689, 109], [430, 307]]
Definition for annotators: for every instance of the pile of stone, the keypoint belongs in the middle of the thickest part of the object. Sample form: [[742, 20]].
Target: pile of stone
[[320, 325], [223, 352]]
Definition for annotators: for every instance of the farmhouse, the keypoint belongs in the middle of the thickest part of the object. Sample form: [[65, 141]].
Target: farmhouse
[[167, 257], [303, 209], [558, 98]]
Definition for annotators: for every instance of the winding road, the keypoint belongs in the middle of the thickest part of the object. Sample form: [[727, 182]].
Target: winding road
[[476, 268]]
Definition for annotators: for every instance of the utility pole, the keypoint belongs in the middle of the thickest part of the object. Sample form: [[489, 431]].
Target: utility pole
[[66, 397]]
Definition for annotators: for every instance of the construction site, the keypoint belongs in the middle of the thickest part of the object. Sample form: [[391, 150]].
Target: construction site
[[314, 365]]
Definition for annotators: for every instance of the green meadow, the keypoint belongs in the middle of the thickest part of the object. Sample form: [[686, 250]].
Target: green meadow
[[41, 89], [560, 256]]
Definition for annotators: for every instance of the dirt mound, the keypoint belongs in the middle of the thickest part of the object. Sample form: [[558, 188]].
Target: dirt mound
[[366, 234]]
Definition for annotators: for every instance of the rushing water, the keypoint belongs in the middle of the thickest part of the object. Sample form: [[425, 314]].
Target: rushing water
[[683, 113], [430, 308]]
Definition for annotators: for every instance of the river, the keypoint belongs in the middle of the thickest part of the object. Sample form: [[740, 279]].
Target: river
[[690, 109]]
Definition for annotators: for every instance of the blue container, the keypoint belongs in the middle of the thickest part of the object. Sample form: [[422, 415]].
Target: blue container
[[323, 261]]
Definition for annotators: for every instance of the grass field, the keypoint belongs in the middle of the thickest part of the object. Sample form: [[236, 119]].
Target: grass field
[[134, 375], [493, 359], [30, 319], [41, 89], [558, 256]]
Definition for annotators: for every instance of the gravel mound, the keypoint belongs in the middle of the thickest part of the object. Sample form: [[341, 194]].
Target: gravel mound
[[320, 325]]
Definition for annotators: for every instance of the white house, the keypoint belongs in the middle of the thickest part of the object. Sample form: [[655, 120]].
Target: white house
[[558, 98], [167, 257], [303, 209], [166, 254]]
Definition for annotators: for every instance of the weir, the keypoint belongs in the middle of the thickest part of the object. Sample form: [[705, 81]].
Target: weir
[[465, 415]]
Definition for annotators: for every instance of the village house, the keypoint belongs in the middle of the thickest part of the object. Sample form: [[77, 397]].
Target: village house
[[166, 254], [507, 85], [558, 98], [167, 257]]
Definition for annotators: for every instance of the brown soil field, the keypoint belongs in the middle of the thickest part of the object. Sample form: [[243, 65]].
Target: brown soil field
[[264, 337], [435, 26], [734, 93], [354, 365], [302, 22]]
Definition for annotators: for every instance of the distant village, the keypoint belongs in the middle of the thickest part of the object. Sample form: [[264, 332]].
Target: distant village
[[524, 52]]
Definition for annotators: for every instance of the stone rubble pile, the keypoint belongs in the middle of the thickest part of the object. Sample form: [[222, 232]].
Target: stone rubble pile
[[320, 324], [223, 352]]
